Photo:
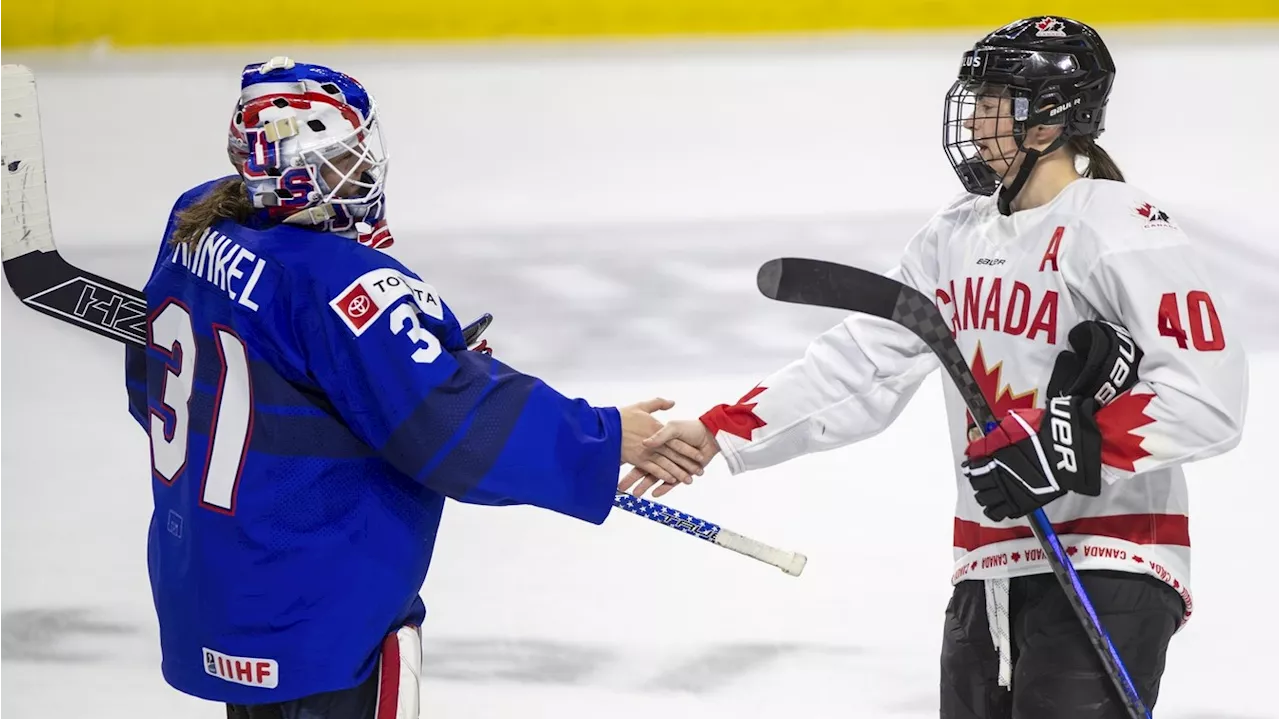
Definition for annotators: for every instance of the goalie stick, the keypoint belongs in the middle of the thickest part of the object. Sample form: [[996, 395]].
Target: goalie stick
[[827, 284], [34, 269], [46, 282]]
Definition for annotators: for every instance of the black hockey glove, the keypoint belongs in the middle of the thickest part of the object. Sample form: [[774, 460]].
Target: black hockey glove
[[1037, 456], [1102, 363]]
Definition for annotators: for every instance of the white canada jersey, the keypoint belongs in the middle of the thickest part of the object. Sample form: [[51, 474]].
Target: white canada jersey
[[1013, 287]]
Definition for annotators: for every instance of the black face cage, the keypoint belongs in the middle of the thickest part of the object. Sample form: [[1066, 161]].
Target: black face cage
[[962, 121]]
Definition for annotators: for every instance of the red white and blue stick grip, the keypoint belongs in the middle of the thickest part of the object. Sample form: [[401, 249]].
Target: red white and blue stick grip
[[790, 562]]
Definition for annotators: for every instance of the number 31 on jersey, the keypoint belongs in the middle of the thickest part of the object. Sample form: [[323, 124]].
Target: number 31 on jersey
[[229, 417]]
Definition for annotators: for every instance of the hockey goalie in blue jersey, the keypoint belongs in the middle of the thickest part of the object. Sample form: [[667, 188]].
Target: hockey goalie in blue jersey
[[311, 403]]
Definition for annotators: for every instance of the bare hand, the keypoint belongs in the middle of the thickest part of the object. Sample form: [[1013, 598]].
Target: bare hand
[[681, 441], [638, 425]]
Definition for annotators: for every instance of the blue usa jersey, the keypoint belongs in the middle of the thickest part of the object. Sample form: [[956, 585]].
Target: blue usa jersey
[[311, 403]]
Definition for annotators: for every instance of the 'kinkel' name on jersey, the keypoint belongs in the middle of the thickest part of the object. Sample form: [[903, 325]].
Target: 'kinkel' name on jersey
[[220, 261]]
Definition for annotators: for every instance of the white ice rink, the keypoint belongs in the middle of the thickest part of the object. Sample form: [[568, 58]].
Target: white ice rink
[[645, 155]]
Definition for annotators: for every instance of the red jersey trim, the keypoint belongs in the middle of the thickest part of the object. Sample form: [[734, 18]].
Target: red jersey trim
[[1137, 528]]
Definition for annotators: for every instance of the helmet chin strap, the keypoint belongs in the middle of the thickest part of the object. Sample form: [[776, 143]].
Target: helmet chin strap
[[1010, 190]]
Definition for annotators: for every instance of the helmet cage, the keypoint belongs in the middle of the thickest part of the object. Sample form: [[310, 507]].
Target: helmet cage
[[1042, 87], [356, 163], [308, 143], [964, 147]]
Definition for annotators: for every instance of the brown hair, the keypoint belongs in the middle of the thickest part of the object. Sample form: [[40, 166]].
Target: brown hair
[[1101, 166], [227, 200]]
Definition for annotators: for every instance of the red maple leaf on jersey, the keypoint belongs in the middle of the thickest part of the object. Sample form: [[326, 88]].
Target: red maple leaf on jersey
[[739, 419], [999, 396], [1121, 448]]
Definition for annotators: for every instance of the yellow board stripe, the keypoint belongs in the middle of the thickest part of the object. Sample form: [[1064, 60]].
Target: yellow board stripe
[[160, 23]]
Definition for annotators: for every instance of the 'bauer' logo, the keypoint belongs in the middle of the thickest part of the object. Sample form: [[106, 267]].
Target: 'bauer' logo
[[1060, 430]]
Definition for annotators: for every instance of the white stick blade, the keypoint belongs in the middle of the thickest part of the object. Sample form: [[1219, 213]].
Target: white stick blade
[[25, 212]]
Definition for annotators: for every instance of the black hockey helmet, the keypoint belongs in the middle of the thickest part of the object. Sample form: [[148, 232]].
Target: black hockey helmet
[[1053, 70]]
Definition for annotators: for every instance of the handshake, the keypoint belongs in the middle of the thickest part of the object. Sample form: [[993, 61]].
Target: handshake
[[662, 456]]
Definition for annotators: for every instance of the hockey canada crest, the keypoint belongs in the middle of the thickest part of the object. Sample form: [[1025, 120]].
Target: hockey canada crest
[[1154, 217], [1050, 27]]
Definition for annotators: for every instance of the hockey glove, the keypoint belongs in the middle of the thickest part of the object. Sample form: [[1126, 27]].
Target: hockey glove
[[1027, 462], [1035, 456], [1102, 363]]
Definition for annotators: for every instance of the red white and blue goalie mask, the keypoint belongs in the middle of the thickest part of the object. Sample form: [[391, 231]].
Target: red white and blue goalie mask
[[307, 142]]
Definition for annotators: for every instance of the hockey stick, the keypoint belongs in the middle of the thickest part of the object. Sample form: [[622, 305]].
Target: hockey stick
[[44, 281], [826, 284], [790, 562], [34, 269], [36, 272]]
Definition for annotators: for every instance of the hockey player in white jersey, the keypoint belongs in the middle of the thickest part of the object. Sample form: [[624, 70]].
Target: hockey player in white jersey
[[1086, 316]]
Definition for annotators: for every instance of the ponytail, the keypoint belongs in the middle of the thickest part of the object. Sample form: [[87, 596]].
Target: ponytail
[[228, 200], [1101, 166]]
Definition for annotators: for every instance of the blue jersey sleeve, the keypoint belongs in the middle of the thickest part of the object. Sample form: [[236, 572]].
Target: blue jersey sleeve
[[390, 354]]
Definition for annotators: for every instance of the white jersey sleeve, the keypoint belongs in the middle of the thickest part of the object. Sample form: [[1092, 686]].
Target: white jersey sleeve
[[852, 382], [1191, 396]]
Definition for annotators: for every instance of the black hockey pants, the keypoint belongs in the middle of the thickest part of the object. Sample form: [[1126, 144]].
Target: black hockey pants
[[358, 702], [1056, 674]]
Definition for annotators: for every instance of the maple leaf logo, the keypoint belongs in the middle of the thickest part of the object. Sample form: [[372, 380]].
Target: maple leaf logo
[[999, 396], [1050, 27], [1151, 212], [1154, 216], [739, 419], [1071, 551], [1121, 446]]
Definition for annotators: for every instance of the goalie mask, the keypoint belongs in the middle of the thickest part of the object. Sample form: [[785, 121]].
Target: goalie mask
[[307, 142], [1048, 71]]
